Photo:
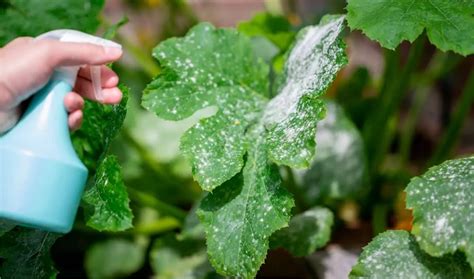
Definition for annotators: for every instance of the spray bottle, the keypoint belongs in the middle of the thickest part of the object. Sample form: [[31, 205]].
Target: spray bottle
[[41, 177]]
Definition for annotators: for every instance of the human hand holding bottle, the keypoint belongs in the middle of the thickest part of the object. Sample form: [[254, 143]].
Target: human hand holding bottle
[[27, 65]]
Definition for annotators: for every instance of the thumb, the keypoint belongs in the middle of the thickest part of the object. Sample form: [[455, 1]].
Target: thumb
[[74, 54]]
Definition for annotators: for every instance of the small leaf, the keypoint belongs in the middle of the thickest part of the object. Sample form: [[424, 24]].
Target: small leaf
[[210, 67], [396, 254], [101, 125], [291, 117], [106, 202], [26, 254], [442, 200], [449, 24], [339, 144], [241, 215], [171, 258], [106, 191], [114, 258], [33, 17], [306, 232]]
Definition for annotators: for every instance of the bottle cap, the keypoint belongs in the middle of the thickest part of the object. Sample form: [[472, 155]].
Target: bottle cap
[[69, 73]]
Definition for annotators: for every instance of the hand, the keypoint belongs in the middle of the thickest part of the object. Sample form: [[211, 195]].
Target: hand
[[27, 65]]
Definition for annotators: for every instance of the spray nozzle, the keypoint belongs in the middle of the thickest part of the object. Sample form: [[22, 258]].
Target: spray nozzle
[[73, 36]]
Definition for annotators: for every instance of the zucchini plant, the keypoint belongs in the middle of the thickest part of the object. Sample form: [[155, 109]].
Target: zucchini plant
[[234, 153], [272, 158]]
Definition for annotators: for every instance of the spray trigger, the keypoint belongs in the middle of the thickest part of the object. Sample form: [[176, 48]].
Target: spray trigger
[[97, 83]]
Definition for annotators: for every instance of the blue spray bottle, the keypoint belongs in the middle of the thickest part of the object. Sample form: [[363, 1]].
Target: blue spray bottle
[[41, 176]]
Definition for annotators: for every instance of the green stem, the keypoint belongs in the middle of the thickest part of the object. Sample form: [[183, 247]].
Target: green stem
[[369, 128], [161, 225], [449, 138], [410, 124], [379, 218], [144, 59], [162, 207], [377, 132], [158, 168], [441, 64]]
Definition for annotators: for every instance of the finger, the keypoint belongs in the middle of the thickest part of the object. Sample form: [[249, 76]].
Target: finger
[[19, 41], [84, 88], [75, 120], [59, 53], [73, 102], [108, 77]]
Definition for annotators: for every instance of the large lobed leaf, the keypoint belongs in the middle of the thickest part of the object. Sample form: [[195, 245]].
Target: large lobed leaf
[[210, 67], [33, 17], [396, 254], [306, 232], [442, 200], [291, 117], [448, 23], [217, 67], [25, 254], [241, 215]]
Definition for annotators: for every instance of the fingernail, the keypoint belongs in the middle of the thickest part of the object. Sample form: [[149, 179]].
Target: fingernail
[[113, 51]]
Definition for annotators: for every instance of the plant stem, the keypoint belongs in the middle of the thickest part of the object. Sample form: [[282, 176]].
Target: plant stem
[[449, 138], [145, 60], [441, 64], [158, 168], [376, 132], [379, 218], [410, 124], [159, 226], [162, 207]]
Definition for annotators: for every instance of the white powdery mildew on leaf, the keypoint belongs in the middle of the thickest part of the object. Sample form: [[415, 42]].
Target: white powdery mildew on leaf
[[210, 67], [240, 215], [291, 117], [106, 205], [396, 254], [443, 207], [217, 67]]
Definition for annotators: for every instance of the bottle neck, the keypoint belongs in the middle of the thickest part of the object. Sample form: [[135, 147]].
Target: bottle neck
[[43, 129]]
